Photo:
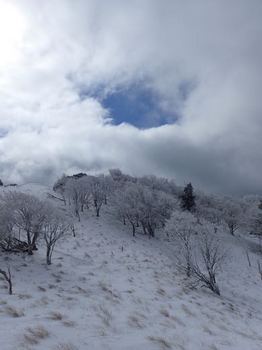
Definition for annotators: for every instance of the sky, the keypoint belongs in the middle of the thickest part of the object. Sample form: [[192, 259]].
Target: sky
[[171, 88]]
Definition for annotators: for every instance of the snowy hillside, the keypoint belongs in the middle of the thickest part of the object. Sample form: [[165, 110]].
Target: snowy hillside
[[108, 290]]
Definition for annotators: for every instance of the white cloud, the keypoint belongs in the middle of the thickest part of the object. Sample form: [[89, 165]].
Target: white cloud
[[66, 45]]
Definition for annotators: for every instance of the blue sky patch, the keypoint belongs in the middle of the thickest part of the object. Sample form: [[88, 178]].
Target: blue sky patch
[[138, 106]]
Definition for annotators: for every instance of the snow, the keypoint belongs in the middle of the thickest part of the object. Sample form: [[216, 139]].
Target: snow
[[107, 290]]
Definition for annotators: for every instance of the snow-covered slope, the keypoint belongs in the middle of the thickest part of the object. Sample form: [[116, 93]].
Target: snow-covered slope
[[108, 290]]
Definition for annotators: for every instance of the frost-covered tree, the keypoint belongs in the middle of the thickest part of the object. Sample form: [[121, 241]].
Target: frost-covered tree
[[7, 223], [121, 179], [155, 208], [232, 214], [107, 185], [209, 207], [140, 205], [126, 202], [85, 190], [159, 184], [182, 228], [60, 187], [97, 192], [55, 227], [29, 214], [73, 192]]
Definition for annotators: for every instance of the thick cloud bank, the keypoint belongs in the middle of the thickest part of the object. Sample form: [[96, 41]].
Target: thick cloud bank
[[201, 60]]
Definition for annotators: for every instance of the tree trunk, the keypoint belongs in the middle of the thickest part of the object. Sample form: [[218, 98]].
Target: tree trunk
[[134, 230], [48, 255], [28, 237], [8, 277], [77, 215], [144, 229], [97, 211], [35, 236], [151, 231]]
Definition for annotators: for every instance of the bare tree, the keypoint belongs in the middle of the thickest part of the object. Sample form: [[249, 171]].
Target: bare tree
[[209, 260]]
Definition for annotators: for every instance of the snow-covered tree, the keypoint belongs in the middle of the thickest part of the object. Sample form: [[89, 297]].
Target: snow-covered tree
[[140, 205], [160, 184], [97, 192], [7, 223], [232, 214], [182, 228], [74, 193], [209, 207], [60, 187], [107, 185], [126, 202], [55, 227], [29, 214]]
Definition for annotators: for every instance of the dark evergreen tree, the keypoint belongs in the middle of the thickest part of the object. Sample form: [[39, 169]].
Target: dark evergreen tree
[[1, 183], [187, 198]]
